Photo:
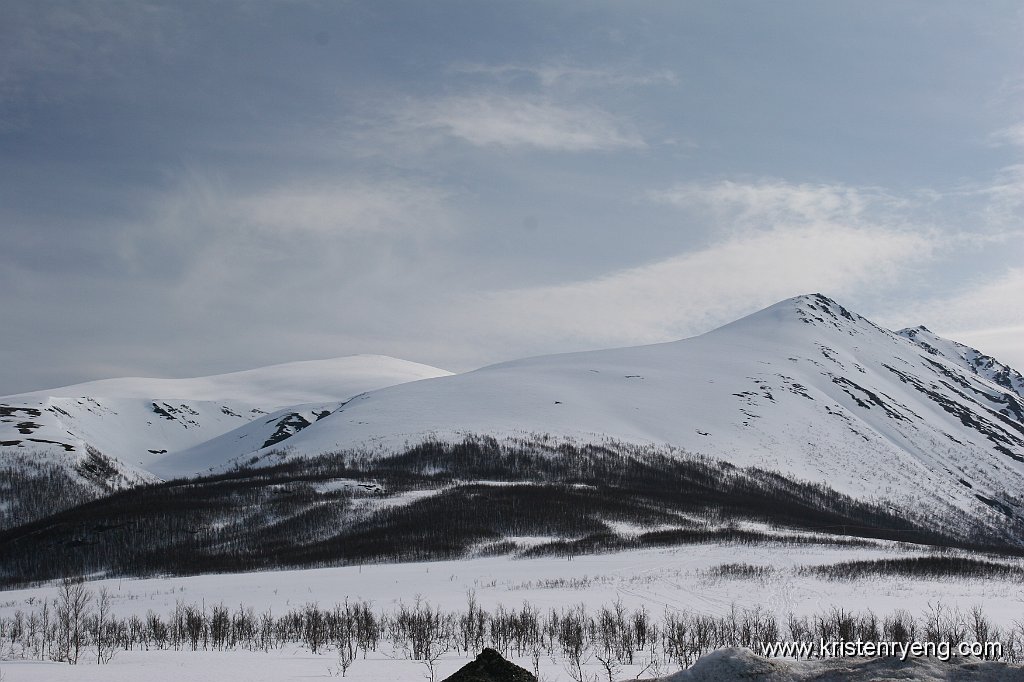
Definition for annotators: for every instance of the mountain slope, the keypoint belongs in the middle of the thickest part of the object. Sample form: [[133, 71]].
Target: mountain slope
[[971, 358], [134, 420], [805, 387]]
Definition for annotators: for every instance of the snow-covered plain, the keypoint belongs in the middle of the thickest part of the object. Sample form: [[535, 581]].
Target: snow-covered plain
[[676, 579]]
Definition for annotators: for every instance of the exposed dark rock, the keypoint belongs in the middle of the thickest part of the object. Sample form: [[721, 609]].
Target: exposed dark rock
[[287, 427], [489, 666]]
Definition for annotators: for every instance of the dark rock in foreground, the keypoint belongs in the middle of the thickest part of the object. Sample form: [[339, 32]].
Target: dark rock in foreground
[[489, 666]]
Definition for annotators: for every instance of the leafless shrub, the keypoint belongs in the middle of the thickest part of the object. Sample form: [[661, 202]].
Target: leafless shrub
[[71, 608]]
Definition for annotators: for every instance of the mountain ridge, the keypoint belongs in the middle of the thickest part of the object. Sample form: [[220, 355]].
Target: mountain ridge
[[130, 421], [243, 384], [805, 387], [968, 357]]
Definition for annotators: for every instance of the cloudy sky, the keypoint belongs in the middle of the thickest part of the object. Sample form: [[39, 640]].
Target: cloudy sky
[[198, 187]]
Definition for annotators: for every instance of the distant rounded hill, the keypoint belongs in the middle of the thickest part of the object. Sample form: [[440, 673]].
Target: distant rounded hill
[[132, 422]]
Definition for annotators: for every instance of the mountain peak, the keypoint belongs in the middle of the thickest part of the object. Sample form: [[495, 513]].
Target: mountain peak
[[819, 303], [811, 308], [789, 317]]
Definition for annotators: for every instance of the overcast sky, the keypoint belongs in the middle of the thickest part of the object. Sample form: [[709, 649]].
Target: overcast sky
[[198, 187]]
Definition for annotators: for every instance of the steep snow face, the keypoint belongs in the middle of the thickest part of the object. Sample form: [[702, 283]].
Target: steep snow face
[[805, 387], [970, 358], [136, 420]]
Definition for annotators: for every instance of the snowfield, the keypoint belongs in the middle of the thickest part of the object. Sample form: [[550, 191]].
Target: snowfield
[[662, 581], [135, 421], [804, 387]]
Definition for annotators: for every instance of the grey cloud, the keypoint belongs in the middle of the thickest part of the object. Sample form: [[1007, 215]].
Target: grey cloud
[[196, 187]]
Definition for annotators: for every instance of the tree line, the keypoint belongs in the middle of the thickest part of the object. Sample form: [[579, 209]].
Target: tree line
[[78, 625], [441, 500], [33, 488]]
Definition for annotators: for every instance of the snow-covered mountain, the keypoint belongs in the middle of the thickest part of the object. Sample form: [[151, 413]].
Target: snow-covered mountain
[[805, 387], [971, 358], [130, 422]]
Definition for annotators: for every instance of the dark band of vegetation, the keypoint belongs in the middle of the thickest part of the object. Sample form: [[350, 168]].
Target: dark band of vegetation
[[923, 567], [344, 507], [32, 489]]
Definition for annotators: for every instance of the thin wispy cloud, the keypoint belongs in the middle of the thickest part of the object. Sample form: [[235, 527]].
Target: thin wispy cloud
[[514, 122], [774, 201], [998, 201], [778, 240], [691, 293], [984, 305], [1007, 197], [83, 40], [569, 77], [987, 313], [1011, 135], [327, 234], [345, 207]]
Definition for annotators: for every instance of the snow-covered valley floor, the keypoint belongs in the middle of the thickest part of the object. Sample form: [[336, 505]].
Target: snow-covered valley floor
[[679, 579]]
